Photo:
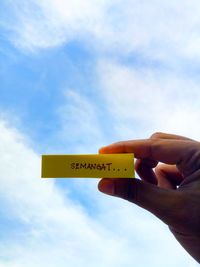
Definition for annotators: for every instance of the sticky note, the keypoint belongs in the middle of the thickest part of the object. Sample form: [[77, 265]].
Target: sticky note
[[89, 165]]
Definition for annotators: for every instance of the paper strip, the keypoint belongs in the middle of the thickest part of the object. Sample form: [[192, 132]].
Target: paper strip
[[90, 165]]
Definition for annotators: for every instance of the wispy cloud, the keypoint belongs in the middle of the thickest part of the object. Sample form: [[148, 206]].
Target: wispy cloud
[[80, 126], [163, 31], [54, 231], [42, 24], [149, 100]]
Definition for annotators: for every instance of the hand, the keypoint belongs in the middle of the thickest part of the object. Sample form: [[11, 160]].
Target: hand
[[171, 191]]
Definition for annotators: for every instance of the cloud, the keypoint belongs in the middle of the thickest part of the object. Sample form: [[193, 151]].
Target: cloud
[[43, 24], [158, 30], [54, 229], [164, 31], [145, 100], [80, 124]]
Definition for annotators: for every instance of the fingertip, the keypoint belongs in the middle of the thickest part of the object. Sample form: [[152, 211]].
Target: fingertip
[[101, 150], [106, 186], [99, 184], [105, 150]]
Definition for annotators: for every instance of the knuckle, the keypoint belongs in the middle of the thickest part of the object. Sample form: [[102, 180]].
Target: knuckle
[[191, 161], [153, 146], [118, 143], [156, 135], [159, 169]]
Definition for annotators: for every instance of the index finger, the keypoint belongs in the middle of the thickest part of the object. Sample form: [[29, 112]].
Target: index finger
[[168, 151]]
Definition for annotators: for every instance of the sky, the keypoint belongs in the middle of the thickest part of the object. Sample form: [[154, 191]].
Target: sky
[[76, 76]]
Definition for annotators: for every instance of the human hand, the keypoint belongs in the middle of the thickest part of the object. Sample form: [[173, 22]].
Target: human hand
[[171, 191]]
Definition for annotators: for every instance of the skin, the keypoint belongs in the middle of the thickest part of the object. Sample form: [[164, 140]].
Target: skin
[[170, 190]]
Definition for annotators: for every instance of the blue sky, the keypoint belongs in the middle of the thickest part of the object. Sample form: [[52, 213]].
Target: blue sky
[[75, 76]]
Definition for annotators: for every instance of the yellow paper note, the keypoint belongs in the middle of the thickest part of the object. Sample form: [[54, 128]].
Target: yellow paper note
[[89, 165]]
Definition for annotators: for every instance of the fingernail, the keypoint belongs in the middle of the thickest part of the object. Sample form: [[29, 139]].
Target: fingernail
[[107, 186]]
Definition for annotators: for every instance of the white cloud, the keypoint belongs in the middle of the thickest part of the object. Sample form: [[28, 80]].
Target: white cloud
[[165, 30], [43, 24], [56, 230], [159, 30], [80, 125], [144, 100]]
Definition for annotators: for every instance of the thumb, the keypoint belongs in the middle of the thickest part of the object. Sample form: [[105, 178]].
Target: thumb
[[164, 203]]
